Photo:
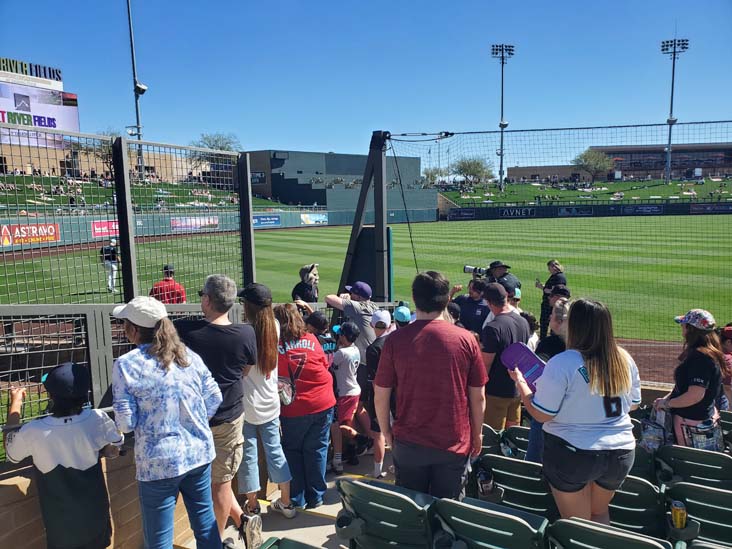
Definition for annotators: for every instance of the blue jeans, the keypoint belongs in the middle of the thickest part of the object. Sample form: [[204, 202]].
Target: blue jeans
[[535, 451], [305, 440], [157, 503], [276, 463]]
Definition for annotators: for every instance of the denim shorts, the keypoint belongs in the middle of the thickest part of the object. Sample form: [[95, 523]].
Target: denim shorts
[[569, 469]]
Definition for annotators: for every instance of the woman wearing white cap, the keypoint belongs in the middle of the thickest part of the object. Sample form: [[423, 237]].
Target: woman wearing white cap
[[165, 394], [698, 383]]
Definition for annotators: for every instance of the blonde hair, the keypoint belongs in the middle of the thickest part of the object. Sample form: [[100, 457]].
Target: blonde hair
[[560, 311], [590, 331], [554, 263], [165, 345]]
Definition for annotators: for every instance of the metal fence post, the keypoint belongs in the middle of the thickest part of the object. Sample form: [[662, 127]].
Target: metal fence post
[[125, 217], [99, 341], [243, 180], [381, 252]]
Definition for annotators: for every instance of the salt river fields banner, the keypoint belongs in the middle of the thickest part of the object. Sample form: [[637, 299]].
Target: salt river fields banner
[[36, 109]]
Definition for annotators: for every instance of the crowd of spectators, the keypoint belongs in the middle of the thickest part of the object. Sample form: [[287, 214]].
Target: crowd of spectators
[[201, 395]]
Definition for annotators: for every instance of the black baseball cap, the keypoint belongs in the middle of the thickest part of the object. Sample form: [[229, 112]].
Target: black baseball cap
[[318, 320], [350, 331], [68, 381], [499, 263], [256, 293], [168, 268]]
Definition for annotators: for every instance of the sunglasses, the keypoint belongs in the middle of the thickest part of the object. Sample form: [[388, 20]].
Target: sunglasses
[[201, 293]]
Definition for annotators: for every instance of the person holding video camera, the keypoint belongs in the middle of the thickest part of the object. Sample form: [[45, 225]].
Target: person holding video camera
[[498, 272], [473, 308]]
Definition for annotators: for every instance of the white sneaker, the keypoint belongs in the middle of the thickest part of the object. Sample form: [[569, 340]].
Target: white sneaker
[[338, 467], [287, 510]]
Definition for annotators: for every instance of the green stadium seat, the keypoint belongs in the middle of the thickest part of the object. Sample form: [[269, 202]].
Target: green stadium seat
[[380, 515], [638, 507], [682, 464], [644, 465], [725, 419], [522, 485], [517, 440], [710, 507], [637, 428], [491, 441], [583, 534], [481, 524], [285, 543], [705, 545]]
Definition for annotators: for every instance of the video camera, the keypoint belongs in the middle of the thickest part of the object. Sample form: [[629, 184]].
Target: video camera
[[477, 272]]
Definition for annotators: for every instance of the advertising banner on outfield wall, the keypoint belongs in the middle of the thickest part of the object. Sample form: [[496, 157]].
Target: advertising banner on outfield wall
[[15, 235], [193, 224], [582, 211], [710, 208], [38, 109], [102, 229], [314, 219], [266, 221]]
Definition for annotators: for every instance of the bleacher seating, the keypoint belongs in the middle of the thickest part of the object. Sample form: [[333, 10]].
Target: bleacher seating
[[581, 534], [638, 507], [516, 441], [710, 506], [491, 441], [285, 543], [682, 464]]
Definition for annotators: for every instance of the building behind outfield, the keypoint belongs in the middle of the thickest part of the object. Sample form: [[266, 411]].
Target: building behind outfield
[[642, 161], [334, 180]]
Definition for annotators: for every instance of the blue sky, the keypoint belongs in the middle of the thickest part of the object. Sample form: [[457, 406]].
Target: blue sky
[[322, 75]]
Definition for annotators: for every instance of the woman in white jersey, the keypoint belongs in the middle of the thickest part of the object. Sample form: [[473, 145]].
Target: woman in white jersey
[[262, 405], [583, 397]]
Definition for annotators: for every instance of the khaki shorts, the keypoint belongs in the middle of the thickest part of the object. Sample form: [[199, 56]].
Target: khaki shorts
[[229, 444], [499, 410]]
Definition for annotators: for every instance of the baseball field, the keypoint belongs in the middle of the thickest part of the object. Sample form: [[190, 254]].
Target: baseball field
[[647, 269]]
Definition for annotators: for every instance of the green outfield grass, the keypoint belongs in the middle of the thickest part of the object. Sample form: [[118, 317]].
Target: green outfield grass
[[647, 269], [633, 190]]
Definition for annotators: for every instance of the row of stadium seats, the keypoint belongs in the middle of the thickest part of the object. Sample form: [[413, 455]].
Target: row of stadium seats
[[379, 515]]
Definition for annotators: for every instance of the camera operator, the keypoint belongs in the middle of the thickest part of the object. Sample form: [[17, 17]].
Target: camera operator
[[498, 272], [473, 308]]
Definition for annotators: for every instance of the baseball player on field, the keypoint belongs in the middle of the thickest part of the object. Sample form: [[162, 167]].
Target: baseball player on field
[[109, 256]]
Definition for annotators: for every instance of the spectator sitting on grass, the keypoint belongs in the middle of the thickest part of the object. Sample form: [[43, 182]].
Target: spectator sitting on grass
[[65, 449]]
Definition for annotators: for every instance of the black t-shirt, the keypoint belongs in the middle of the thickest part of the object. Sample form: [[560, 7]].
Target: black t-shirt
[[306, 292], [508, 281], [498, 334], [700, 370], [225, 350], [108, 253], [550, 346], [373, 355], [554, 280], [472, 313]]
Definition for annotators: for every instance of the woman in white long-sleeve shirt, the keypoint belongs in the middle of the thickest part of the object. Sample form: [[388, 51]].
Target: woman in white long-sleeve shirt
[[165, 394]]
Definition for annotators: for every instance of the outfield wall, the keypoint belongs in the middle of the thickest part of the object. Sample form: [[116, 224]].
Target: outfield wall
[[588, 210], [25, 233]]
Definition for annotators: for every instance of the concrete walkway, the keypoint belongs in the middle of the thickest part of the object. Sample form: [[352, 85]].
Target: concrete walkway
[[316, 527]]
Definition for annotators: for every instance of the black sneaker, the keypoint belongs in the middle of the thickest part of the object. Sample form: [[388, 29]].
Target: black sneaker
[[228, 543]]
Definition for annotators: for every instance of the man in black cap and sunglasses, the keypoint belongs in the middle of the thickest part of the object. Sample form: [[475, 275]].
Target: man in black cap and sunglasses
[[498, 272]]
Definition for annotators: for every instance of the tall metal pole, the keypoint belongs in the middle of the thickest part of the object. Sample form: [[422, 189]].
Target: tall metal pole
[[671, 120], [135, 84], [502, 124]]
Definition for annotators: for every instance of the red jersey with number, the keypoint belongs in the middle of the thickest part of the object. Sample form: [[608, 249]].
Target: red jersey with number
[[168, 291], [305, 360]]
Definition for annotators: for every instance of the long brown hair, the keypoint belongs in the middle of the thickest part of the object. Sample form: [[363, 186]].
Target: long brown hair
[[292, 326], [165, 345], [265, 328], [590, 331], [707, 343]]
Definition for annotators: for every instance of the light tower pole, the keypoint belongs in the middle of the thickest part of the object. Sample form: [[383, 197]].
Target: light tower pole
[[501, 52], [674, 48], [139, 89]]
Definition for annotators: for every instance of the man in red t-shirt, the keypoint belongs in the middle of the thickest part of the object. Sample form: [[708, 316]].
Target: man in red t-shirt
[[168, 290], [438, 374]]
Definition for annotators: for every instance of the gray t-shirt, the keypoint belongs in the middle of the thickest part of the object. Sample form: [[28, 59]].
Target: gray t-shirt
[[359, 312]]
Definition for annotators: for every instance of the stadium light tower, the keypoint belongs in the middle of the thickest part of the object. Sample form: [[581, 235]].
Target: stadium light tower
[[139, 89], [501, 52], [674, 48]]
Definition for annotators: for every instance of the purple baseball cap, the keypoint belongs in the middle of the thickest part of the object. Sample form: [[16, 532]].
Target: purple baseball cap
[[360, 288]]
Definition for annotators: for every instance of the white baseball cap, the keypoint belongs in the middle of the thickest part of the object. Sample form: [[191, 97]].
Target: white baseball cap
[[113, 241], [381, 316], [142, 311]]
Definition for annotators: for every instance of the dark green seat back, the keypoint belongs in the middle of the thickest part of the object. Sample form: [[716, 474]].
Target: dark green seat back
[[583, 534], [523, 484], [392, 516], [638, 507], [725, 418], [481, 525], [710, 506], [644, 465], [491, 441], [285, 543], [517, 440], [698, 466]]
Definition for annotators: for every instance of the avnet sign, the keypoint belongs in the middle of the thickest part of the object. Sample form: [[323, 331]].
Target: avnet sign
[[517, 212]]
